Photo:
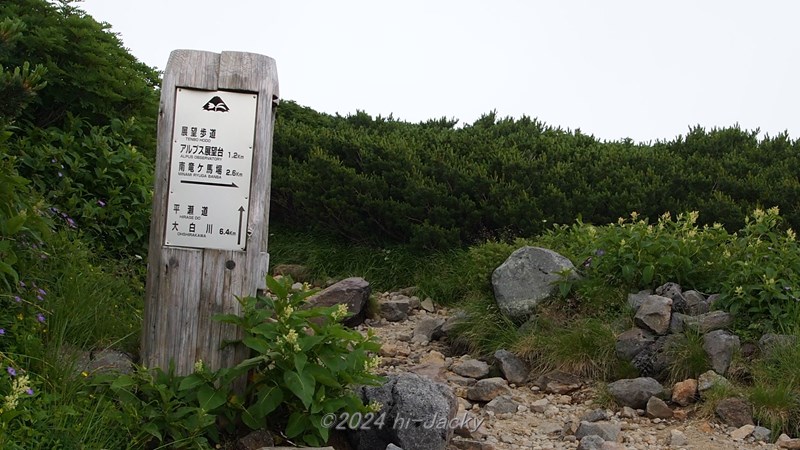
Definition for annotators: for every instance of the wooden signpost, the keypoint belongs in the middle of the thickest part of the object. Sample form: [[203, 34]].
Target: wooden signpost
[[209, 230]]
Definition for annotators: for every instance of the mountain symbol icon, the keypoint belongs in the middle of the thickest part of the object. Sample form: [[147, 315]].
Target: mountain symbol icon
[[216, 104]]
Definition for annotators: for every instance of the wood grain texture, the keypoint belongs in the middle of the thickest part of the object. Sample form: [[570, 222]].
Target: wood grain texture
[[186, 287]]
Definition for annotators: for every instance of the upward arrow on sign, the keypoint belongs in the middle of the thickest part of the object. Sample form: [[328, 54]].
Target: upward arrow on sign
[[239, 234]]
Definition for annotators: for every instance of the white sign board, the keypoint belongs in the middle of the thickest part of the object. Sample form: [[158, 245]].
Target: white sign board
[[210, 168]]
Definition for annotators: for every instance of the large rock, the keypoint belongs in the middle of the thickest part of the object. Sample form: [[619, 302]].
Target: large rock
[[735, 412], [636, 300], [526, 278], [635, 392], [409, 402], [632, 342], [655, 360], [513, 368], [654, 314], [353, 292], [720, 346]]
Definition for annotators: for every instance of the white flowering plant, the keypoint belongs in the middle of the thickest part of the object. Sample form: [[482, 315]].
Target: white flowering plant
[[305, 363]]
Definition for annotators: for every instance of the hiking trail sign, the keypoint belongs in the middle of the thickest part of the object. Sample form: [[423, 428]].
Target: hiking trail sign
[[209, 228], [209, 177]]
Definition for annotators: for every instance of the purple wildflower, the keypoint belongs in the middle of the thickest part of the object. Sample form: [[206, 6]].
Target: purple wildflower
[[101, 203], [40, 298], [29, 391], [2, 331], [42, 291], [17, 299], [71, 222], [60, 174], [600, 252], [40, 317], [11, 371], [53, 160]]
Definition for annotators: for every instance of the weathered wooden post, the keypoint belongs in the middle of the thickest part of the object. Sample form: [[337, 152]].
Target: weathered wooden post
[[209, 230]]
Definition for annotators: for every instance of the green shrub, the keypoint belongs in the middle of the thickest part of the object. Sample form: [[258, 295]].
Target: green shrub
[[305, 365]]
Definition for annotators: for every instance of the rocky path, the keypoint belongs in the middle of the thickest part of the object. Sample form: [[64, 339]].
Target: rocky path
[[524, 415]]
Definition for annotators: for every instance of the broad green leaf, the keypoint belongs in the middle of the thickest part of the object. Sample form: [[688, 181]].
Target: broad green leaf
[[298, 422], [276, 287], [647, 274], [323, 376], [122, 382], [256, 343], [301, 385], [153, 430], [300, 360], [269, 399], [190, 382], [210, 398]]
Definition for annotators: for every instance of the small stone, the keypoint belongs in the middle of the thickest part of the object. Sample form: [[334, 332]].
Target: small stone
[[513, 368], [677, 439], [595, 415], [471, 368], [607, 431], [657, 408], [591, 442], [684, 392], [654, 314], [628, 413], [735, 412], [708, 380], [680, 414], [742, 432], [761, 434], [487, 389], [501, 405], [427, 305], [539, 405], [785, 441]]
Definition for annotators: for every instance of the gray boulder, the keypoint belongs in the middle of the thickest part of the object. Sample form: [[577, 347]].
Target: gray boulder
[[409, 402], [654, 314], [657, 408], [632, 342], [720, 346], [353, 292], [635, 392], [526, 278], [514, 369]]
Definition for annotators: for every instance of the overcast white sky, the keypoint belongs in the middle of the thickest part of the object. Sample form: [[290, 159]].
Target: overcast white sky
[[640, 69]]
